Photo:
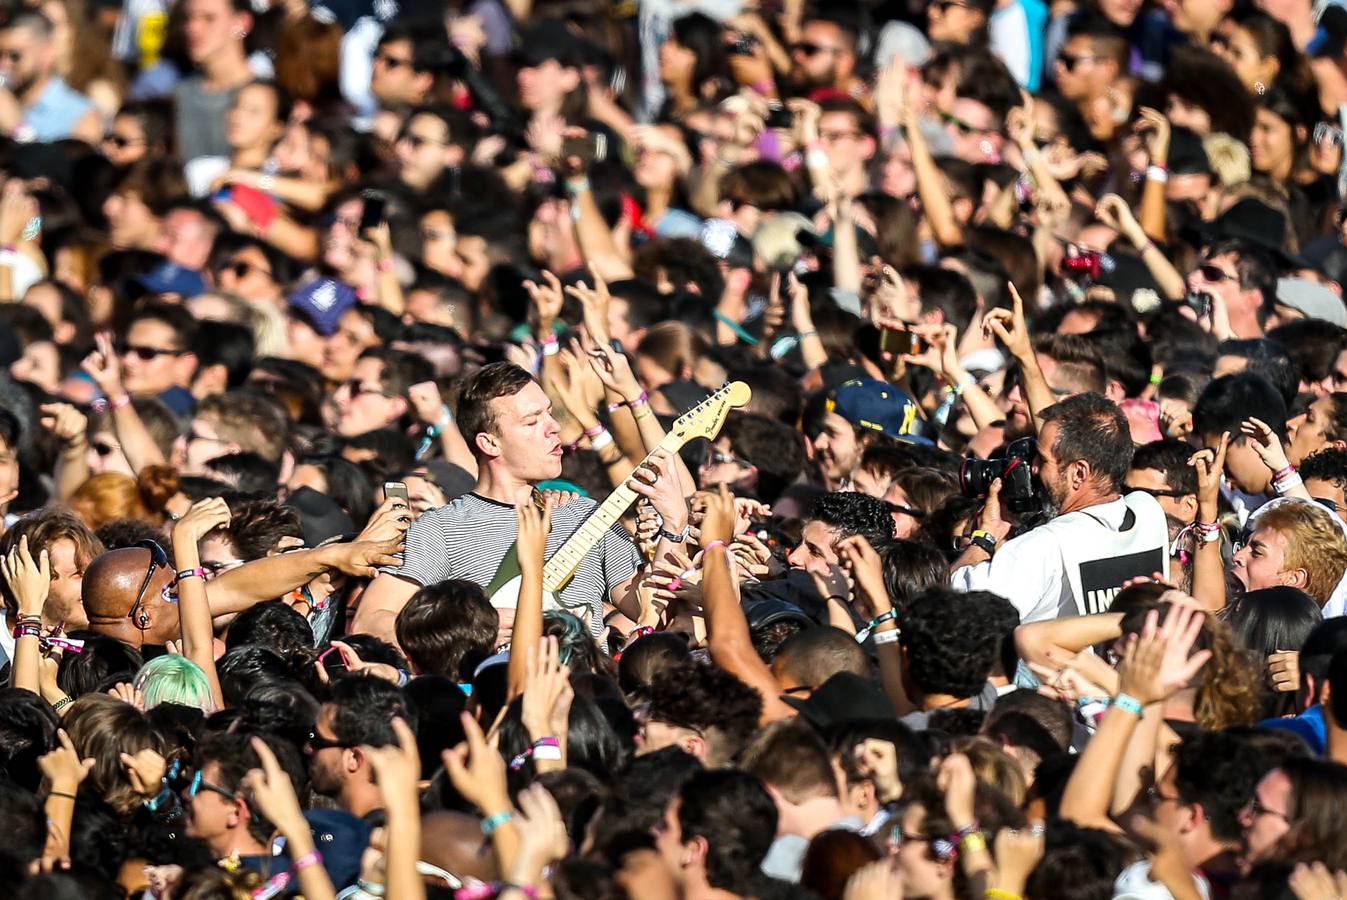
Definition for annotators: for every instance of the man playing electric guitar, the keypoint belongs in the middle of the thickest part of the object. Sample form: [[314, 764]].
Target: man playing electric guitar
[[506, 418]]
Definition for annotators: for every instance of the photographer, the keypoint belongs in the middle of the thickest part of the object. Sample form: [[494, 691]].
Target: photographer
[[1097, 540]]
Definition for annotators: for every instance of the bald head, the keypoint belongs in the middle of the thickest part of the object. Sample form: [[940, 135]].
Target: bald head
[[111, 584], [453, 841]]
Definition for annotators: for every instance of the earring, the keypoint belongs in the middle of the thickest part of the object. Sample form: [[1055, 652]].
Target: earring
[[1259, 88], [240, 35]]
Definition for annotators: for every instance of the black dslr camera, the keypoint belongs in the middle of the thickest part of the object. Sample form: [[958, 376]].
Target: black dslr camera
[[1016, 471]]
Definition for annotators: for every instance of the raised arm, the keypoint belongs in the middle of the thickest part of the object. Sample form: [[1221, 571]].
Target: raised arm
[[1155, 666], [867, 569], [531, 546], [275, 576], [397, 769], [1208, 567], [30, 581], [727, 628], [1114, 212], [1013, 330], [270, 790], [194, 615], [72, 432], [105, 369]]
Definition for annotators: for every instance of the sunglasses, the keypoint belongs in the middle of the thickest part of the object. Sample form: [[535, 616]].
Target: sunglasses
[[905, 510], [316, 742], [356, 387], [1069, 61], [241, 269], [158, 560], [1156, 492], [964, 127], [121, 143], [811, 49], [1214, 274], [716, 458], [145, 354], [200, 784]]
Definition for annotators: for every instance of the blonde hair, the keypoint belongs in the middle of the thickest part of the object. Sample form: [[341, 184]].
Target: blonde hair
[[1314, 543], [1229, 158], [994, 767]]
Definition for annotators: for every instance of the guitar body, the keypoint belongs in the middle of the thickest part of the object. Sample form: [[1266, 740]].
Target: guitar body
[[702, 421]]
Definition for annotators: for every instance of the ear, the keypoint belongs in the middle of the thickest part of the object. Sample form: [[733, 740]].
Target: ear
[[1338, 445], [1296, 578], [694, 852], [1115, 391], [694, 745], [488, 443], [1189, 503], [353, 759], [1193, 816]]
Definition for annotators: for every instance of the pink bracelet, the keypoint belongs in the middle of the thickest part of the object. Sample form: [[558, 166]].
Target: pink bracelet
[[614, 407], [1284, 473], [312, 858], [641, 400], [595, 431], [714, 545]]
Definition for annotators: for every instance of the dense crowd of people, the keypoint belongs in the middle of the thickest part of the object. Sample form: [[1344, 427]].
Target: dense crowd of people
[[673, 449]]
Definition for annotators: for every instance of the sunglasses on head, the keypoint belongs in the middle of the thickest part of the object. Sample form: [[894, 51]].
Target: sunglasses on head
[[158, 560], [143, 353]]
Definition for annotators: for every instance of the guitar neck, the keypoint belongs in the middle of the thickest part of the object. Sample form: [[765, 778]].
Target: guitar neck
[[566, 560]]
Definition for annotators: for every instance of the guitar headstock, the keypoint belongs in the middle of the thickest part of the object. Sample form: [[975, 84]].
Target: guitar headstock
[[706, 418]]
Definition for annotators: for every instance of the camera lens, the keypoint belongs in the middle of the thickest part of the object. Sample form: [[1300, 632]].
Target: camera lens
[[976, 475]]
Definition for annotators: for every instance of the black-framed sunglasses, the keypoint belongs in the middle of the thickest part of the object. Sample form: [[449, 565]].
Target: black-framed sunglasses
[[121, 142], [316, 742], [158, 560], [1156, 492], [905, 510], [241, 268], [145, 354], [1214, 274]]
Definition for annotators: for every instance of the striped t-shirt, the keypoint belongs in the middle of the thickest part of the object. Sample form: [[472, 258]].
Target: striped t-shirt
[[470, 536]]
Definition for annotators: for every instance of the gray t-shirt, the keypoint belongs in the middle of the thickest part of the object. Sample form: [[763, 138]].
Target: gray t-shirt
[[201, 119], [469, 537]]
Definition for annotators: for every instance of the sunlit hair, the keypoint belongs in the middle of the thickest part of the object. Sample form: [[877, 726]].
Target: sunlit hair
[[175, 679], [1314, 542]]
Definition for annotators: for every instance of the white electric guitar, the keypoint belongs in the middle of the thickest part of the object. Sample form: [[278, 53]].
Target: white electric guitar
[[702, 421]]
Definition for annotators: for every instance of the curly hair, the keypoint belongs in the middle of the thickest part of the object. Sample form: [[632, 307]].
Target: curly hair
[[1230, 686], [949, 642], [1314, 543], [711, 701], [850, 513]]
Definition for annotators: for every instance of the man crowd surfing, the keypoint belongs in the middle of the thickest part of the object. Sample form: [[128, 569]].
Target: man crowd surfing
[[696, 449]]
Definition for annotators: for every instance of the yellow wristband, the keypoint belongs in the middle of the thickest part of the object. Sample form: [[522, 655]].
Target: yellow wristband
[[973, 842], [998, 894]]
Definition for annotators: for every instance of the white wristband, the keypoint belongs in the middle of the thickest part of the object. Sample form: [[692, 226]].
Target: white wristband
[[886, 637], [1157, 173], [603, 440], [546, 751]]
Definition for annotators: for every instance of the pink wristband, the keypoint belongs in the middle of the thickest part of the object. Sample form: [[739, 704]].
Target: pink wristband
[[312, 858], [715, 545]]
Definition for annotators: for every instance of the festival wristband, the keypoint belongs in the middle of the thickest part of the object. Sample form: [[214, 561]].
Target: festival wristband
[[184, 574], [1127, 703], [874, 623], [491, 823]]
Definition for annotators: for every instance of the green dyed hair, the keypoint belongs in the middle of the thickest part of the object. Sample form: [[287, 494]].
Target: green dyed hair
[[175, 679]]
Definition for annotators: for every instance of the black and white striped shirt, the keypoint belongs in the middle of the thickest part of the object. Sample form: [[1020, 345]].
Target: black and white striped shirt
[[470, 536]]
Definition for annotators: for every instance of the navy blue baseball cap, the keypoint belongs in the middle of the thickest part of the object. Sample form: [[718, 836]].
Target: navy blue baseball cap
[[170, 278], [322, 302], [879, 406]]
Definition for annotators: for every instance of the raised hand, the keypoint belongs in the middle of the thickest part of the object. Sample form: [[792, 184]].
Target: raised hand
[[547, 692], [867, 569], [1011, 327], [203, 517], [1114, 212], [29, 579], [63, 767], [361, 559], [145, 770], [542, 832], [426, 402], [387, 523], [1017, 852], [1155, 125], [959, 785], [657, 479], [547, 302], [1157, 663], [128, 693], [271, 791], [879, 880], [66, 422], [357, 665], [718, 521], [990, 519], [614, 369], [397, 768], [1266, 444], [534, 527], [1283, 669], [595, 302], [1210, 466], [477, 770], [1314, 881], [104, 367]]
